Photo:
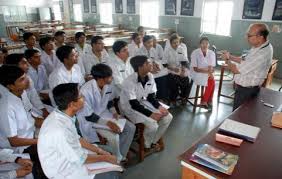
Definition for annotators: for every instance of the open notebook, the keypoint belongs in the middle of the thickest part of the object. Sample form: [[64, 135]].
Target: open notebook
[[102, 167]]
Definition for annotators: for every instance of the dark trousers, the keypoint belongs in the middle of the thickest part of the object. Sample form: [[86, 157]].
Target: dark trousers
[[178, 86], [243, 94], [162, 87], [36, 169]]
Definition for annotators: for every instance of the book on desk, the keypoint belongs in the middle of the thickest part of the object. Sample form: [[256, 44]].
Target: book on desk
[[239, 130], [215, 159]]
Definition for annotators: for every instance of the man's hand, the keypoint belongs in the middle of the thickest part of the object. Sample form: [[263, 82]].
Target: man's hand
[[163, 111], [24, 162], [111, 159], [114, 127], [23, 171], [156, 116]]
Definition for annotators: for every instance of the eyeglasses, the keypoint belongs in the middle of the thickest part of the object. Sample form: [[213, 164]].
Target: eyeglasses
[[251, 35]]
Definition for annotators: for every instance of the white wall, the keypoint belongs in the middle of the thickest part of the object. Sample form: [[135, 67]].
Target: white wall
[[27, 3], [237, 12]]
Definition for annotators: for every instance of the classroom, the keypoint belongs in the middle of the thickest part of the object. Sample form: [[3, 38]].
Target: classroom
[[140, 89]]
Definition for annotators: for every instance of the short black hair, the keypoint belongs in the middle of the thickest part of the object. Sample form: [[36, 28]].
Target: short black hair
[[44, 40], [138, 61], [204, 39], [14, 59], [64, 52], [78, 35], [147, 38], [95, 39], [134, 36], [29, 53], [101, 71], [9, 74], [140, 28], [173, 37], [59, 33], [118, 45], [27, 35], [64, 94]]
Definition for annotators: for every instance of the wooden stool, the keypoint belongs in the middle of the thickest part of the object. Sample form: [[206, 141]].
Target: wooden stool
[[195, 103]]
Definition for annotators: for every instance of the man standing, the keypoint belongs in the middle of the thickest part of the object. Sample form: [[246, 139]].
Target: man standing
[[251, 70]]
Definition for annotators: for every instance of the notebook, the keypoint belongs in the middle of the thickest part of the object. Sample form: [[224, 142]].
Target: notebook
[[102, 167], [215, 159], [239, 130]]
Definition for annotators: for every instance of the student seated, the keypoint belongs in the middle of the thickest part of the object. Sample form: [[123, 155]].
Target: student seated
[[139, 104], [29, 40], [48, 56], [98, 54], [60, 37], [160, 72], [99, 95], [202, 63], [17, 126], [68, 72], [159, 49], [62, 152], [12, 166], [177, 63], [136, 43], [81, 46], [36, 71], [141, 31], [20, 61], [182, 45], [120, 65]]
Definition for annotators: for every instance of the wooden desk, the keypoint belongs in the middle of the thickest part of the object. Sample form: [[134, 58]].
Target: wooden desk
[[259, 160]]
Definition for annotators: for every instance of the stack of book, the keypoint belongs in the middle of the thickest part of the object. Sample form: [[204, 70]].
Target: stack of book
[[215, 159]]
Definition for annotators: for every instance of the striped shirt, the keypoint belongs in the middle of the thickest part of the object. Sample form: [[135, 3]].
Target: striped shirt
[[253, 70]]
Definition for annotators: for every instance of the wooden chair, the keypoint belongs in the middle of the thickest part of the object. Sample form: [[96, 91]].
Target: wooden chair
[[268, 81], [195, 98]]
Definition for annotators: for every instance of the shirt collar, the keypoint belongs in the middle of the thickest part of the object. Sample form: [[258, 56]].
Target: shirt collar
[[139, 79], [73, 119]]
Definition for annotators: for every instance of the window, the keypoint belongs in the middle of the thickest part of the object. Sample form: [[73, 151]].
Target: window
[[106, 12], [149, 13], [57, 12], [216, 17], [77, 11]]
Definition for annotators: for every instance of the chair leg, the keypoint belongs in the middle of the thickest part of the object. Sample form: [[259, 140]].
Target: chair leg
[[202, 91], [196, 99], [141, 141]]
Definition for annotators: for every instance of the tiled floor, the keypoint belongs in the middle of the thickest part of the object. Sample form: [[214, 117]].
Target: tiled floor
[[185, 129]]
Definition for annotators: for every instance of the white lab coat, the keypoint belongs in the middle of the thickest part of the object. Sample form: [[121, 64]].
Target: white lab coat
[[14, 119], [160, 51], [81, 51], [132, 48], [24, 48], [173, 58], [39, 78], [132, 89], [182, 45], [50, 62], [89, 59], [152, 53], [59, 150], [121, 70], [95, 101], [33, 96], [61, 75], [199, 60]]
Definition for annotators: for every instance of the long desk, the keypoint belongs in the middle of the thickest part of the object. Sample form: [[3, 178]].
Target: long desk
[[259, 160]]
